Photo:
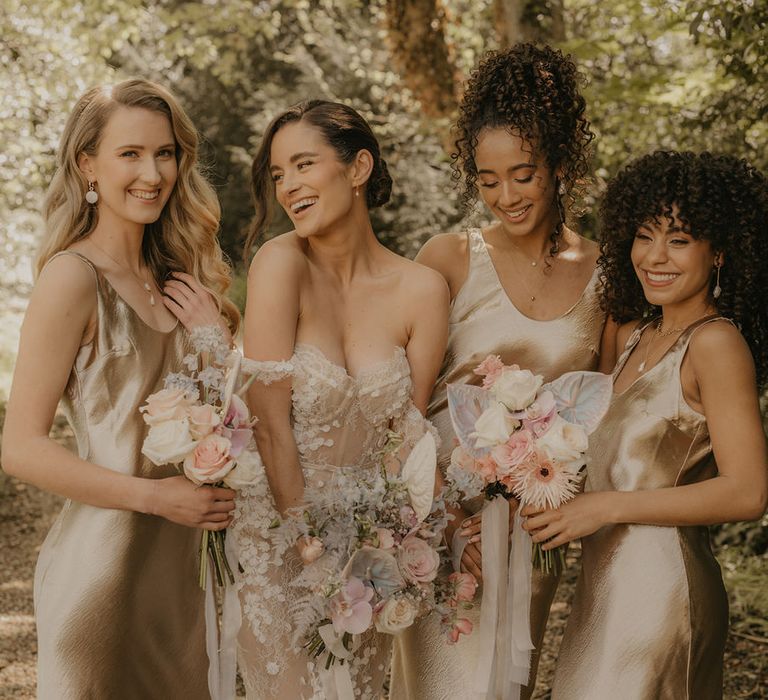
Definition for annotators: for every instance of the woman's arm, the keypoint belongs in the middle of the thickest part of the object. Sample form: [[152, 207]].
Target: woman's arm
[[271, 317], [60, 318], [723, 370], [193, 304], [608, 346]]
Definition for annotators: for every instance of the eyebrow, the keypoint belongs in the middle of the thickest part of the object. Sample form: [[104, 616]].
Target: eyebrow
[[139, 147], [513, 169], [295, 157]]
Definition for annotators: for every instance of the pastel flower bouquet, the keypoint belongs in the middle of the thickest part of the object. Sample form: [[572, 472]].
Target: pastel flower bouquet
[[517, 438], [198, 423], [372, 555], [523, 439]]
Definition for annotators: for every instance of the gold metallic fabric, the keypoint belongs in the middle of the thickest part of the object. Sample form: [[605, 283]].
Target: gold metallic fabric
[[650, 615], [119, 611], [483, 321]]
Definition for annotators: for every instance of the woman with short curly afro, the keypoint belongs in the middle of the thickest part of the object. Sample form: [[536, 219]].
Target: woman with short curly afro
[[524, 287], [684, 248]]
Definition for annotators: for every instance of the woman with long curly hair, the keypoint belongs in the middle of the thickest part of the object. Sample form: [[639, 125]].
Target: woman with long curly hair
[[524, 288], [130, 250], [684, 243]]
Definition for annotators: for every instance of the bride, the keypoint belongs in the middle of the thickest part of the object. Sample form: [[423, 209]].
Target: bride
[[345, 339]]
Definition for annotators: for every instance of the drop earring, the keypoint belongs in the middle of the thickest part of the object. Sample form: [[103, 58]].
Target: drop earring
[[561, 189], [91, 196], [718, 290], [357, 191]]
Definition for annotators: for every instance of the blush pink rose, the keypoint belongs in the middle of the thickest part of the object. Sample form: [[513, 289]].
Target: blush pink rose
[[210, 461], [350, 608], [386, 538], [418, 561], [203, 420], [312, 550], [166, 404], [489, 369], [487, 468], [514, 451], [464, 586]]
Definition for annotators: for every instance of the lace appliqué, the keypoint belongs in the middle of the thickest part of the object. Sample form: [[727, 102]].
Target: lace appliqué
[[339, 421]]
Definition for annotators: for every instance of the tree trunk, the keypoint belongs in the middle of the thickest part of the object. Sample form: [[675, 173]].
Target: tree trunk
[[420, 53], [534, 21]]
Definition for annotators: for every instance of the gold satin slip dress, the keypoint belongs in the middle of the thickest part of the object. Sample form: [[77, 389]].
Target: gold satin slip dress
[[650, 615], [119, 611], [483, 321]]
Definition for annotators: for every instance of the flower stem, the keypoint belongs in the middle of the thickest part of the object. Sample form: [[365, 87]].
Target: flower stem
[[203, 559]]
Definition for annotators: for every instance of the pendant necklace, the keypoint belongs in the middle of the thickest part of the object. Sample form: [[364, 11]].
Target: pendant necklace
[[534, 263], [144, 283], [661, 334]]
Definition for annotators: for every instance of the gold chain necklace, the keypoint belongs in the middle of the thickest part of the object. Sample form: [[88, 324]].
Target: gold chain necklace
[[658, 332], [521, 277], [144, 283]]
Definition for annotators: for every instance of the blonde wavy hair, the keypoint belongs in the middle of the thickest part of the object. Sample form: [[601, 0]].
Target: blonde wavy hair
[[184, 238]]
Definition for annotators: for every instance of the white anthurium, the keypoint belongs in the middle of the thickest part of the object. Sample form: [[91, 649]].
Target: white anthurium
[[418, 473]]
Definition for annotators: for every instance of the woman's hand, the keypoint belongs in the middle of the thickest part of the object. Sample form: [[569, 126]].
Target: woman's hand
[[471, 527], [177, 499], [582, 516], [192, 303]]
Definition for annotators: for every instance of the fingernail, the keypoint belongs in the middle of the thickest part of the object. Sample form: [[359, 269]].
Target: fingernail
[[476, 538]]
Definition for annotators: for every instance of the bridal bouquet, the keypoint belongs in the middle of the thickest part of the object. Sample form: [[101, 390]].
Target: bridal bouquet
[[198, 423], [521, 438], [372, 552]]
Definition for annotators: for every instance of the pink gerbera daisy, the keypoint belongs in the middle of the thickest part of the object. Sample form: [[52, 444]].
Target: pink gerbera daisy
[[544, 482]]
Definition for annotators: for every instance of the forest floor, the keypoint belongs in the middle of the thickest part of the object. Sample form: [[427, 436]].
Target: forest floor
[[27, 513]]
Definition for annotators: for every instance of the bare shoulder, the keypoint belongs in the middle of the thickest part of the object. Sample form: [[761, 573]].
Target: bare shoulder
[[718, 344], [583, 249], [69, 279], [423, 282], [279, 258], [444, 252]]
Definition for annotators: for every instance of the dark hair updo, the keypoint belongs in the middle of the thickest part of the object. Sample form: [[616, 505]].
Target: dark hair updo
[[344, 129], [718, 198], [533, 91]]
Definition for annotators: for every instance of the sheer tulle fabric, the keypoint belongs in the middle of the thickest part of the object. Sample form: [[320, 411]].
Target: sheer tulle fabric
[[339, 422]]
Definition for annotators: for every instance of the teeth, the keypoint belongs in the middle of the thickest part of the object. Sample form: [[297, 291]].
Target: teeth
[[516, 212], [660, 276], [140, 194], [302, 203]]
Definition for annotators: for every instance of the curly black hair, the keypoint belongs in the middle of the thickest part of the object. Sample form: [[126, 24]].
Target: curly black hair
[[718, 198], [533, 91]]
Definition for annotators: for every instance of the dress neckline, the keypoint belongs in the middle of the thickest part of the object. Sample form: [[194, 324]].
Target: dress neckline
[[102, 276], [489, 260], [397, 354]]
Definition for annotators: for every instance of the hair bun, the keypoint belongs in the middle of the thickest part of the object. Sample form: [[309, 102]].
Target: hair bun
[[379, 184]]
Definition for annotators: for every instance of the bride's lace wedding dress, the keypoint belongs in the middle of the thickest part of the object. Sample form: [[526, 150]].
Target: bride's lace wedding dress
[[339, 421]]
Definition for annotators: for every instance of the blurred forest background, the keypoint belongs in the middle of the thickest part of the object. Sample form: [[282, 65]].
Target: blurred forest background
[[672, 74]]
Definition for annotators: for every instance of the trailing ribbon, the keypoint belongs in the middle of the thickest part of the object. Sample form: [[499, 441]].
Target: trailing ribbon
[[221, 642], [336, 681], [504, 632]]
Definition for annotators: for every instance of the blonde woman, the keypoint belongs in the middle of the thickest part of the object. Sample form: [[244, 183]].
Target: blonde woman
[[130, 249]]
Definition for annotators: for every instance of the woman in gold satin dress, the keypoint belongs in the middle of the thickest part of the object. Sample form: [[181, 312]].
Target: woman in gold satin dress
[[524, 288], [685, 244], [118, 609]]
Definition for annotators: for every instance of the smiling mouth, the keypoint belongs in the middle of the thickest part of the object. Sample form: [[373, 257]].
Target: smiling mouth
[[660, 278], [144, 195], [516, 214], [303, 204]]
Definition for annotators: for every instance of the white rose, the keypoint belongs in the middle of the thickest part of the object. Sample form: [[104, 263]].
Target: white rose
[[516, 388], [166, 405], [168, 442], [494, 426], [395, 615], [564, 441], [247, 470]]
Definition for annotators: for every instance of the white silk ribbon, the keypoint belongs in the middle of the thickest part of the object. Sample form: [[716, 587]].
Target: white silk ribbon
[[336, 681], [221, 638], [503, 659]]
